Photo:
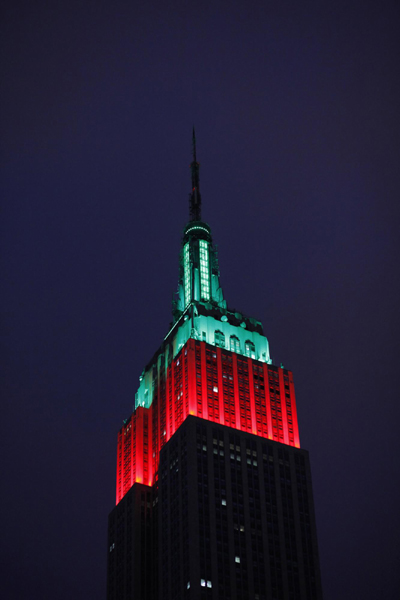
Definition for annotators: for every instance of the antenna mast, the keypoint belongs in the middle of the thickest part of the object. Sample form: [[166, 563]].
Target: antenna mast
[[195, 198]]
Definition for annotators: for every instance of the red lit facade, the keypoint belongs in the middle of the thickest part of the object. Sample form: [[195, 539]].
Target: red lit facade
[[212, 383]]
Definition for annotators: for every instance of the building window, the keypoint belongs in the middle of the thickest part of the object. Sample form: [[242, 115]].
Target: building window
[[204, 271], [250, 349], [186, 273], [219, 339], [234, 344]]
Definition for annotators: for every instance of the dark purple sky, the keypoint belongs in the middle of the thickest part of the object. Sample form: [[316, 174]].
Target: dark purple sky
[[296, 108]]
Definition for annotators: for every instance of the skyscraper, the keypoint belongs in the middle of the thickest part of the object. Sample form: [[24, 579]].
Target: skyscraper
[[214, 496]]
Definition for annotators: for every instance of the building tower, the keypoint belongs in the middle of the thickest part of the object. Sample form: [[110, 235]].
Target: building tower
[[214, 496]]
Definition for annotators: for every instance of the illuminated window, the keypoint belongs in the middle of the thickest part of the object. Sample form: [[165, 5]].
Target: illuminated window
[[234, 344], [186, 273], [219, 338], [250, 349], [204, 271], [237, 559]]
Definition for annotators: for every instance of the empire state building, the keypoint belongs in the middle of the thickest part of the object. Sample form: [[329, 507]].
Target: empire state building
[[213, 492]]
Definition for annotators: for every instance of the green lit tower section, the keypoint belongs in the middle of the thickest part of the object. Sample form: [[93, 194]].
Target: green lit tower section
[[199, 273], [200, 311]]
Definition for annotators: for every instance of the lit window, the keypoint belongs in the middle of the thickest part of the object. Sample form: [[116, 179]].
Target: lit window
[[215, 389], [237, 559], [203, 582], [209, 584], [250, 349], [204, 271], [234, 344], [219, 339], [223, 502], [186, 273], [188, 585]]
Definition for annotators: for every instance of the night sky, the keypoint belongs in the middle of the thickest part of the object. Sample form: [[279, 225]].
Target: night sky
[[296, 109]]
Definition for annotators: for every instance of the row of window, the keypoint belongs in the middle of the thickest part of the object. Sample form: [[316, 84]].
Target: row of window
[[204, 272], [234, 344]]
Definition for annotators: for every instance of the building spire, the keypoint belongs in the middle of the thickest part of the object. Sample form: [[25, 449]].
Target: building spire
[[195, 198]]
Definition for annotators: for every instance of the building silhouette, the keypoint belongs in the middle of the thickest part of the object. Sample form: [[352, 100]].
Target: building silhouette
[[214, 496]]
